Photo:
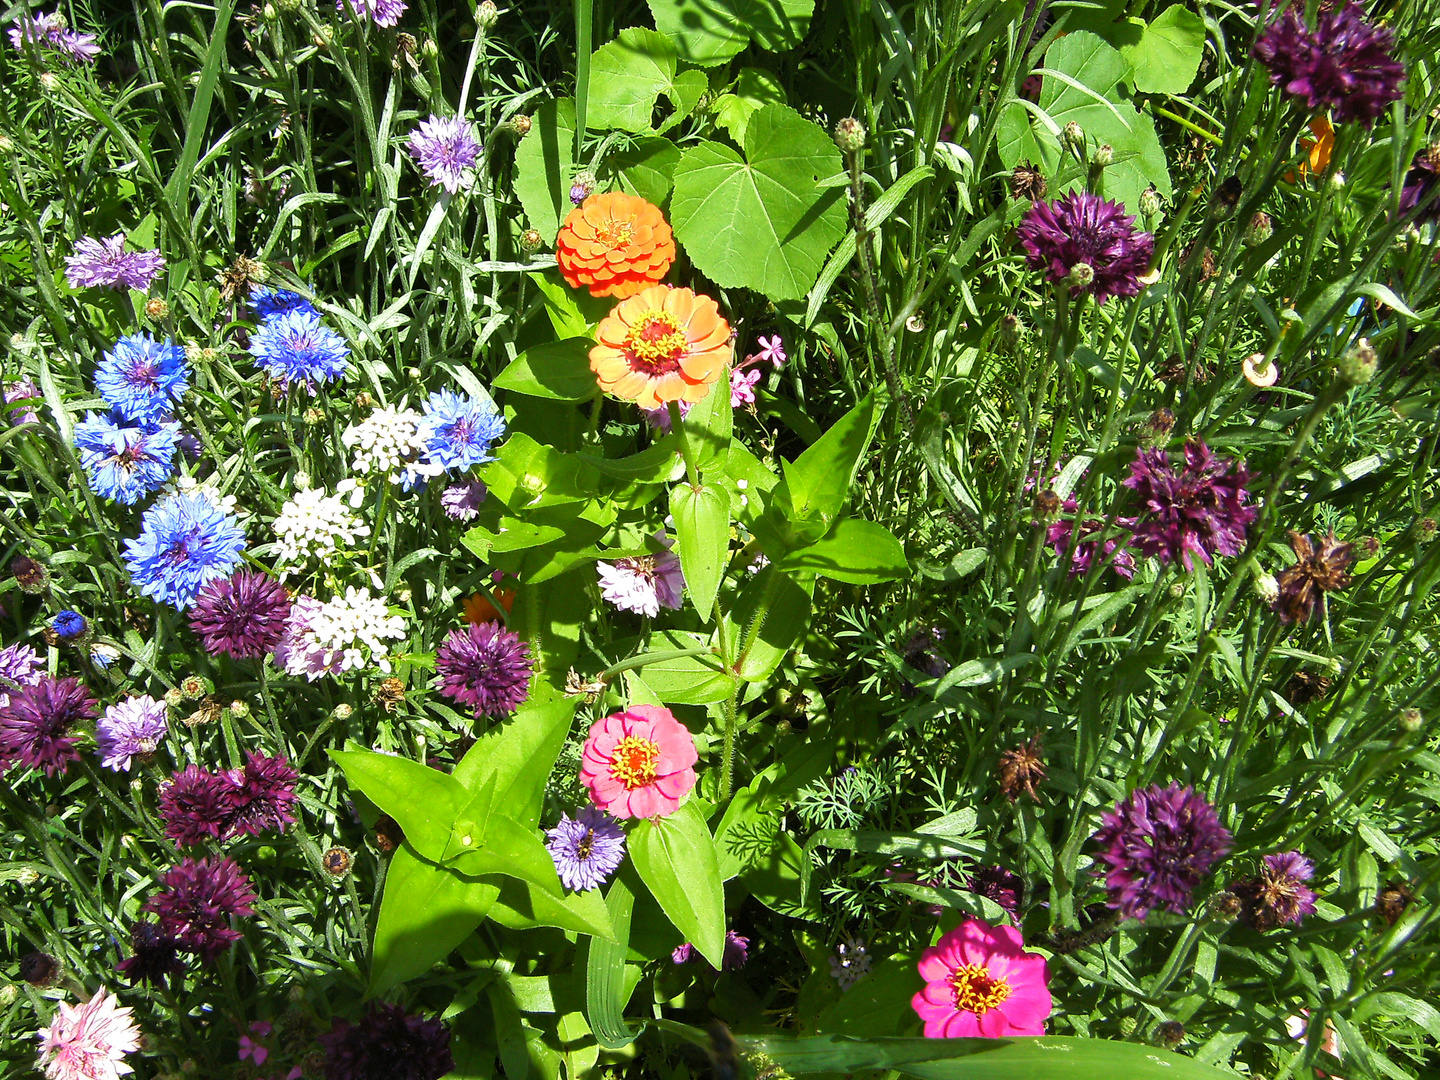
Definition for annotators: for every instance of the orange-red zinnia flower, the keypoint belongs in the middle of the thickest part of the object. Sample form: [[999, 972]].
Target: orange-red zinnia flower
[[661, 345], [478, 608], [616, 244]]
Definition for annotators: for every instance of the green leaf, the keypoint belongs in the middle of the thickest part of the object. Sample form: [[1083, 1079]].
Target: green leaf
[[785, 624], [879, 1004], [1168, 54], [857, 551], [708, 429], [558, 370], [518, 756], [675, 857], [509, 1031], [709, 32], [426, 911], [544, 161], [1085, 58], [762, 221], [684, 93], [754, 89], [517, 536], [818, 481], [200, 97], [702, 536], [606, 989], [646, 168], [687, 680], [626, 76], [573, 312], [507, 847], [521, 906], [424, 801]]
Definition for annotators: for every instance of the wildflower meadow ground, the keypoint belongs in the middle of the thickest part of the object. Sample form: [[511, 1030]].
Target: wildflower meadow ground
[[839, 538]]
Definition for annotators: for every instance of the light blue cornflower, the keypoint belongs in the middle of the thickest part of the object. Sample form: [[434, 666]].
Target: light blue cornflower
[[268, 303], [185, 542], [459, 431], [126, 461], [296, 347], [140, 377]]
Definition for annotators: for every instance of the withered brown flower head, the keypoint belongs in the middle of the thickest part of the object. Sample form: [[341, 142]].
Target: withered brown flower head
[[236, 279], [1394, 898], [1278, 894], [389, 694], [587, 690], [387, 834], [1207, 262], [1175, 366], [208, 712], [1021, 769], [338, 861], [1305, 687], [1226, 197], [1316, 572], [1027, 182]]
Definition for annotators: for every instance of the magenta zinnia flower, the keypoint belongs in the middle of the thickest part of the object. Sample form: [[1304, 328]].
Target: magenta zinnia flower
[[198, 902], [243, 615], [1343, 66], [37, 722], [106, 264], [89, 1041], [485, 667], [445, 148], [1083, 229], [639, 763], [1159, 844], [980, 982], [387, 1042], [1201, 510], [129, 729]]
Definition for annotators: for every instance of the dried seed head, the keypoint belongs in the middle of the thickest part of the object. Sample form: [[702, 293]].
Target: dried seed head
[[1027, 182], [31, 576], [1047, 505], [1305, 687], [338, 861], [389, 694], [1158, 426], [39, 969], [1392, 901], [1170, 1034], [387, 834], [1021, 769]]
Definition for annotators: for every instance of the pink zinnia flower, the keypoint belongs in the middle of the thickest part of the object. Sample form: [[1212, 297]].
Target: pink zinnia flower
[[638, 763], [980, 982], [90, 1041]]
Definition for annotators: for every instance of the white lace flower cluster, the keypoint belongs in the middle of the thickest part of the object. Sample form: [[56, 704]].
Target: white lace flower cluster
[[391, 440], [314, 525], [341, 626]]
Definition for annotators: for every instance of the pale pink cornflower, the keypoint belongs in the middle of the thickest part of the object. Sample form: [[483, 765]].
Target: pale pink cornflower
[[106, 264], [89, 1041], [644, 584]]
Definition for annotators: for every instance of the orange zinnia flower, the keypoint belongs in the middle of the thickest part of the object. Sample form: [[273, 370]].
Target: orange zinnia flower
[[662, 345], [478, 608], [617, 244]]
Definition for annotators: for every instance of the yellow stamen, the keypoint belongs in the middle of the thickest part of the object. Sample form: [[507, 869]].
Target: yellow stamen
[[976, 990], [634, 762], [656, 342]]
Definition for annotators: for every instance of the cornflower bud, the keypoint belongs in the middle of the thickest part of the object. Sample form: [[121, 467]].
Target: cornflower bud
[[1170, 1034], [1150, 202], [156, 308], [1411, 721], [1267, 587], [521, 124], [1072, 138], [1424, 530], [1104, 155], [338, 861], [1358, 365], [849, 135], [487, 14], [530, 241], [1081, 274], [1259, 230], [582, 186], [343, 712], [240, 709]]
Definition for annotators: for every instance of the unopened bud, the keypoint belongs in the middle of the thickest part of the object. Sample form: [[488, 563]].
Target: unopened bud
[[48, 81], [1267, 587], [343, 711], [530, 241], [1150, 202], [1081, 276], [1159, 425], [1011, 330], [314, 416], [364, 400], [413, 373], [1357, 366], [1259, 230], [1128, 1024], [1104, 155], [1224, 906], [582, 187], [271, 12], [1425, 530], [6, 145], [1047, 505], [1411, 721], [156, 308], [1072, 137], [174, 698], [487, 14], [1337, 182], [429, 49], [323, 36], [1170, 1034], [240, 709], [521, 124], [849, 135]]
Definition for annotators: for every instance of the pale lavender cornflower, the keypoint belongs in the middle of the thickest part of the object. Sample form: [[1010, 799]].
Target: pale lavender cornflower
[[461, 502], [587, 848], [380, 12], [50, 32], [89, 1041], [772, 349], [20, 666], [129, 729], [105, 264], [445, 148], [659, 419], [22, 389], [644, 584], [742, 387]]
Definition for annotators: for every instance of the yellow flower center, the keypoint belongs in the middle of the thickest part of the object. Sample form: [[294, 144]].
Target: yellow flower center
[[615, 234], [655, 343], [633, 763], [976, 990]]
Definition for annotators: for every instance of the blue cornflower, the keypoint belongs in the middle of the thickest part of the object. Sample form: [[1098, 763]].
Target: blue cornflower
[[459, 431], [125, 461], [296, 347], [140, 377], [68, 625], [267, 303], [185, 542]]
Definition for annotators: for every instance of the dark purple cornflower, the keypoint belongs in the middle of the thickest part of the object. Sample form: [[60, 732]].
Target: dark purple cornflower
[[387, 1044], [1159, 844], [264, 796], [485, 667], [1057, 535], [1198, 511], [243, 615], [737, 951], [998, 884], [682, 953], [198, 902], [155, 959], [197, 806], [37, 720], [1343, 66], [921, 651], [587, 848], [1420, 181], [1279, 893], [1089, 243]]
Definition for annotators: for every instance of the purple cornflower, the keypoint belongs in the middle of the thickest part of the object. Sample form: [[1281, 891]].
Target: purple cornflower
[[387, 1044], [461, 502], [587, 848], [1420, 181], [922, 651], [37, 722], [1343, 66], [1159, 844], [682, 953], [197, 806], [445, 148], [1087, 242], [264, 796], [50, 32], [998, 884], [68, 625], [737, 951], [141, 377], [659, 418], [155, 958], [645, 583], [772, 349], [129, 729], [485, 667], [199, 900], [243, 616], [1198, 511], [105, 264], [22, 389], [1057, 535], [1279, 893], [19, 666], [381, 12]]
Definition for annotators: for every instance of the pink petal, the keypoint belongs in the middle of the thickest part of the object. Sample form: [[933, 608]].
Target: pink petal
[[932, 966], [676, 784], [993, 1024], [646, 802], [963, 1025], [1028, 1007]]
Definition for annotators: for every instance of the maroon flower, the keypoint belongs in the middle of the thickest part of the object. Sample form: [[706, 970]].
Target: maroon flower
[[1057, 535], [998, 884], [1198, 511], [198, 902], [37, 720], [1279, 893], [1159, 844], [1083, 230], [243, 615], [485, 667], [1317, 569], [156, 958], [1420, 181], [387, 1044], [265, 793], [196, 806], [1343, 66]]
